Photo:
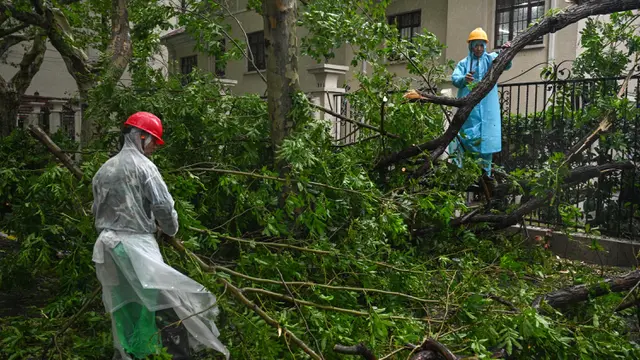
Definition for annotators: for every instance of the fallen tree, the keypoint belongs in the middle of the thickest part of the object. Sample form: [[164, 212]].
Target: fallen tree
[[301, 260], [465, 105], [429, 349]]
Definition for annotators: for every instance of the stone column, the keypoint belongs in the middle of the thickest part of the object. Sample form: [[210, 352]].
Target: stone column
[[55, 118], [227, 85], [78, 121], [322, 94], [36, 110], [450, 93]]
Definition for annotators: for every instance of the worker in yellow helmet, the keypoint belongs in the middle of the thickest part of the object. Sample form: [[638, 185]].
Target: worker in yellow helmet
[[481, 134]]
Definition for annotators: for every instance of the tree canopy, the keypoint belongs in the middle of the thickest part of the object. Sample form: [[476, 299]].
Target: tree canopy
[[311, 247]]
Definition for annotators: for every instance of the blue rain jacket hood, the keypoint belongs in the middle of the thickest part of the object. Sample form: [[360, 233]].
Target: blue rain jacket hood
[[481, 132]]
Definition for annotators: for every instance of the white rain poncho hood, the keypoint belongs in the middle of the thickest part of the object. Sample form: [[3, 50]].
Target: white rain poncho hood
[[130, 196], [129, 193]]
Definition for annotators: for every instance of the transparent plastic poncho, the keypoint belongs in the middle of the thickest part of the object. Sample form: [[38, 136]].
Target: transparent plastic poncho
[[129, 197]]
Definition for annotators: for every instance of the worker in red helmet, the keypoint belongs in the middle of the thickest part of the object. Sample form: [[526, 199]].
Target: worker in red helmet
[[151, 304]]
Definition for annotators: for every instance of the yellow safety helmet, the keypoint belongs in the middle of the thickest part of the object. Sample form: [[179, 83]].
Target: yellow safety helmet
[[478, 34]]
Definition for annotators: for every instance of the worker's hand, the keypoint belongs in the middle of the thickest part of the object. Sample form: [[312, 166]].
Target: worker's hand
[[506, 45], [469, 77], [412, 95]]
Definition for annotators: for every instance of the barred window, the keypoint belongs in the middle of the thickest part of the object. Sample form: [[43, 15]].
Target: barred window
[[256, 45], [514, 16], [408, 24], [219, 67], [187, 64]]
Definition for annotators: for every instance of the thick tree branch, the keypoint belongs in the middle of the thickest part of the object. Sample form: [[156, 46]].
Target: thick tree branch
[[26, 17], [564, 297], [578, 175], [120, 50], [360, 124], [8, 41], [30, 64], [13, 30], [37, 132], [466, 104], [117, 57], [359, 349], [74, 58]]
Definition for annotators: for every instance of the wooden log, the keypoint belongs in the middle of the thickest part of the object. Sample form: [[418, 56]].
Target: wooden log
[[571, 295], [39, 134]]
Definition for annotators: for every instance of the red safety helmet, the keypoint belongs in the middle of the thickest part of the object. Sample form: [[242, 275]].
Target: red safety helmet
[[147, 122]]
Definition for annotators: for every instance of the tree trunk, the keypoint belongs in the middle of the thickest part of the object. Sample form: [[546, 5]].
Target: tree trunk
[[564, 297], [86, 75], [9, 105], [281, 46], [11, 92], [86, 123]]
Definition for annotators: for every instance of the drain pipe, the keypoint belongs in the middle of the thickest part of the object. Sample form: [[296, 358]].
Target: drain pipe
[[552, 38], [551, 52]]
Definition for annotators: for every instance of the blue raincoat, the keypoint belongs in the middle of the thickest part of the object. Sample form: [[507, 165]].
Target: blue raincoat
[[481, 133]]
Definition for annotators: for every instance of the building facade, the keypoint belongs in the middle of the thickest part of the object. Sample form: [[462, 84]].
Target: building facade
[[450, 20]]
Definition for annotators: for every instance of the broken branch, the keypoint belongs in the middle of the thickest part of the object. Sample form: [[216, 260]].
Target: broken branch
[[269, 320], [267, 177], [359, 349], [578, 175], [325, 286], [237, 293], [39, 134], [466, 104], [564, 297], [361, 124]]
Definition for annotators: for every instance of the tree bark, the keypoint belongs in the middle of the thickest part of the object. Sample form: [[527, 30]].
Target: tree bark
[[11, 92], [466, 104], [39, 134], [282, 65], [578, 175], [9, 105], [54, 22], [564, 297], [118, 53]]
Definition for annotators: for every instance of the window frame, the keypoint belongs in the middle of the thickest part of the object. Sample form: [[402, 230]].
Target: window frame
[[219, 70], [68, 122], [415, 28], [510, 8], [187, 62], [256, 45]]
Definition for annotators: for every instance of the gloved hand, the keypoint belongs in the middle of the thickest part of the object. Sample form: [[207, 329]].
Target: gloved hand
[[413, 95]]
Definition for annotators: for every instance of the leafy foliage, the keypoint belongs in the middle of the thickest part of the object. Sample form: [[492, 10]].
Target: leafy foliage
[[609, 46], [333, 232]]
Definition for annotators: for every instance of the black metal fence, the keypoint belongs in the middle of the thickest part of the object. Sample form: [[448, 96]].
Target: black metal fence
[[547, 117]]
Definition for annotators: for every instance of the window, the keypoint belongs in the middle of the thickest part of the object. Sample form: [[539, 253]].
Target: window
[[69, 123], [43, 119], [514, 17], [256, 45], [408, 24], [22, 119], [219, 66], [187, 64]]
